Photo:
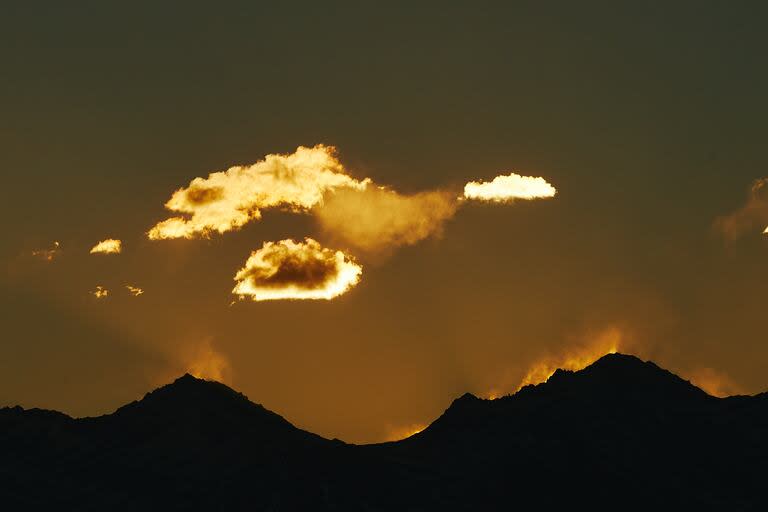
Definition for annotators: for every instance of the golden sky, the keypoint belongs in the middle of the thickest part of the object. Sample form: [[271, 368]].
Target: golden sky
[[355, 215]]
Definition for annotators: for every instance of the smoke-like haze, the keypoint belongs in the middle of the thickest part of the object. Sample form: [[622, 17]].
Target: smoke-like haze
[[296, 270], [203, 361], [713, 382], [377, 218], [229, 199], [750, 217], [108, 246]]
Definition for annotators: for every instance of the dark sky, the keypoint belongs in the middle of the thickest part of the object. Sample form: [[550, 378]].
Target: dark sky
[[648, 117]]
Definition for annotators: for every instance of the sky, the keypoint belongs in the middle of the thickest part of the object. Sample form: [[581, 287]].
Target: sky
[[647, 120]]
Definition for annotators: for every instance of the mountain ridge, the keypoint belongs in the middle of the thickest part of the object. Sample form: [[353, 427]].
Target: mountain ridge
[[183, 383], [193, 444]]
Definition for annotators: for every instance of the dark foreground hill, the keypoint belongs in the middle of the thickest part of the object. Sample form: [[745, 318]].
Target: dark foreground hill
[[622, 434]]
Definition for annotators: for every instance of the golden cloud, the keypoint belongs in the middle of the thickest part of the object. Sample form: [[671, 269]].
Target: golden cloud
[[296, 270], [108, 246], [134, 290], [229, 199], [752, 216], [48, 254], [313, 179], [100, 292], [504, 189], [377, 218]]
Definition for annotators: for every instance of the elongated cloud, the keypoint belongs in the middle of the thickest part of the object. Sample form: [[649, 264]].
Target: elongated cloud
[[108, 246], [504, 189], [48, 254], [296, 270], [750, 217], [134, 290], [100, 292], [378, 218], [229, 199]]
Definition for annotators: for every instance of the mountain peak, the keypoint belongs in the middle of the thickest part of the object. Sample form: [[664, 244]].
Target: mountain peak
[[191, 396], [625, 375], [617, 359]]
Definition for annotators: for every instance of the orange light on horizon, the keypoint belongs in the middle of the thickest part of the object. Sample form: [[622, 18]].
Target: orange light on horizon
[[713, 382], [605, 342], [404, 432], [205, 362]]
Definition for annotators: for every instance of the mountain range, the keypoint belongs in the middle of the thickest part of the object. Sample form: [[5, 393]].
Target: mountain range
[[620, 434]]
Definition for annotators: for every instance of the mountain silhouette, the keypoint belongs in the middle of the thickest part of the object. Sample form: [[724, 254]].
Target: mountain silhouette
[[619, 434]]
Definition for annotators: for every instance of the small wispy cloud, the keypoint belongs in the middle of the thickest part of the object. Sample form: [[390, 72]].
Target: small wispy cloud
[[48, 254], [108, 246], [134, 290], [751, 217], [100, 292]]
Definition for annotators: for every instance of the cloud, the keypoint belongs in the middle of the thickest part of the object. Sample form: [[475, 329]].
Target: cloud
[[355, 212], [352, 214], [296, 270], [100, 292], [752, 216], [134, 290], [378, 218], [108, 246], [504, 189], [229, 199], [48, 254]]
